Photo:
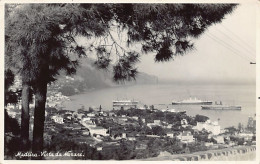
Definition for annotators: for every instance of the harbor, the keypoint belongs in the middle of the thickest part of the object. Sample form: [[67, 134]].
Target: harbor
[[160, 97]]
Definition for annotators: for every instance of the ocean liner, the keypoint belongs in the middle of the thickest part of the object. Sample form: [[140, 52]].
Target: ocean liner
[[192, 101]]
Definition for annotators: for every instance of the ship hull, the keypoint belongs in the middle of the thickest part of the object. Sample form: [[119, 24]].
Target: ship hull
[[125, 104], [192, 103], [221, 107]]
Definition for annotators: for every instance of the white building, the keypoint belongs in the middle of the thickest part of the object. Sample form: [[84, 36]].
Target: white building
[[219, 139], [57, 119], [170, 134], [98, 131], [85, 119], [91, 114], [131, 138], [246, 135], [184, 123], [207, 144], [99, 148], [135, 117], [212, 127], [169, 126], [80, 115], [186, 137], [123, 135], [157, 122]]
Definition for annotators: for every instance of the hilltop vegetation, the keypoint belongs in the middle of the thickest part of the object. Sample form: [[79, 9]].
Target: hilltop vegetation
[[87, 78]]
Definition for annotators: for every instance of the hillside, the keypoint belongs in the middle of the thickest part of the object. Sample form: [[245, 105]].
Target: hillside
[[88, 77]]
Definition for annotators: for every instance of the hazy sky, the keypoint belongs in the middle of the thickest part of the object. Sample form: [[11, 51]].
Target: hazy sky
[[221, 54], [224, 58]]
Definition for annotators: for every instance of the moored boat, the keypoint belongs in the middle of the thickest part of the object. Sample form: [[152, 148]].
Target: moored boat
[[125, 104], [192, 101], [220, 107]]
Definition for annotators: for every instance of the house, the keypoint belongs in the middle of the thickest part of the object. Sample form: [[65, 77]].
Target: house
[[116, 137], [246, 135], [10, 107], [135, 117], [51, 111], [164, 124], [131, 138], [121, 120], [157, 122], [123, 135], [209, 126], [86, 132], [77, 115], [153, 136], [184, 123], [141, 147], [98, 131], [77, 127], [208, 144], [170, 134], [219, 139], [169, 126], [103, 114], [99, 148], [80, 115], [12, 114], [150, 125], [91, 114], [57, 119], [85, 119], [232, 143], [111, 114], [186, 137], [67, 116]]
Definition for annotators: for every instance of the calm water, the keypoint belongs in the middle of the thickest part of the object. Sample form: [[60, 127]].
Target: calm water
[[243, 95]]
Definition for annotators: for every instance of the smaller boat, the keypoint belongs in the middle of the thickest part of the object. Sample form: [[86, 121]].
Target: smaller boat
[[125, 104], [168, 110], [220, 106]]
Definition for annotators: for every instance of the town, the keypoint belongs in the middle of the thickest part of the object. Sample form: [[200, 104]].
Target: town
[[132, 132]]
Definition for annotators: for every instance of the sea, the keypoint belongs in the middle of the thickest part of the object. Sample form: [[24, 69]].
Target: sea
[[161, 96]]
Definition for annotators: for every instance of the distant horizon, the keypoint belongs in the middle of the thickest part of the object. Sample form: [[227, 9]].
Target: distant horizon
[[205, 82]]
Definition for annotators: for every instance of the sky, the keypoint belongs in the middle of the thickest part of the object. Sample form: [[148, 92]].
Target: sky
[[222, 54]]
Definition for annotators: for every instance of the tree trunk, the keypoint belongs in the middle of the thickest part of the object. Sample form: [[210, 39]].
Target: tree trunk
[[39, 117], [25, 117]]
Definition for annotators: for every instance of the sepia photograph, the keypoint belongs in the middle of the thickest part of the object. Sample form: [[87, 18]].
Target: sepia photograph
[[130, 81]]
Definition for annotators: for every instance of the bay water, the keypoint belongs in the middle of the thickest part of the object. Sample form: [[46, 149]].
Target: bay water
[[161, 96]]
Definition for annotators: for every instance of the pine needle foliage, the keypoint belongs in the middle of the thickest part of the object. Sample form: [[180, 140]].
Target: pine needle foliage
[[37, 32]]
